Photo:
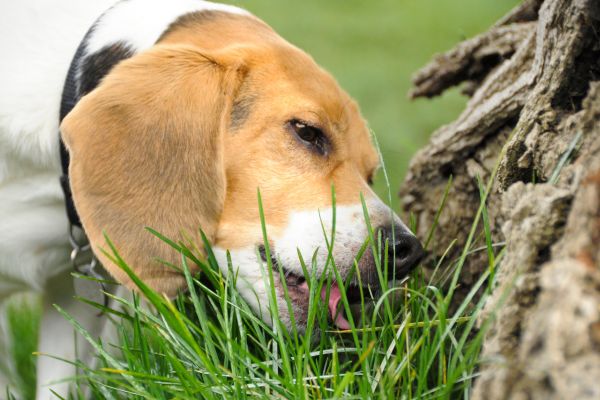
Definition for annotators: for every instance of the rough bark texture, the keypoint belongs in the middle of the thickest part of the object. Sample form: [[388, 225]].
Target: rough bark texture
[[534, 82]]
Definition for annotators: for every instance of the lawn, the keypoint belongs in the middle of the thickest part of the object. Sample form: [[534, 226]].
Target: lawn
[[415, 348]]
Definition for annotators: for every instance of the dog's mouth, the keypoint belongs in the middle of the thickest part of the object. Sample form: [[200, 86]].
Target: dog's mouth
[[299, 292]]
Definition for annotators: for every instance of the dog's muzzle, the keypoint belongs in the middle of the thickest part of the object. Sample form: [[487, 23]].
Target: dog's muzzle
[[399, 248]]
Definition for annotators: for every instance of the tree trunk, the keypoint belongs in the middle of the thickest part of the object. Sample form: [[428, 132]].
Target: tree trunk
[[534, 82]]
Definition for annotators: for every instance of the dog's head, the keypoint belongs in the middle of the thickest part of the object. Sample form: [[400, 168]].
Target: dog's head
[[181, 136]]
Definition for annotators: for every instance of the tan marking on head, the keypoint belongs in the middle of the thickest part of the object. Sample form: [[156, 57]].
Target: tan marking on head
[[285, 83]]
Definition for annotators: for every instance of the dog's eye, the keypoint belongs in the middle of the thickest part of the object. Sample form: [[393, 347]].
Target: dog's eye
[[306, 132], [310, 135]]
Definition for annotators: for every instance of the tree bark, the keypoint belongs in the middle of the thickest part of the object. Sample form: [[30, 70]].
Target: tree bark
[[534, 113]]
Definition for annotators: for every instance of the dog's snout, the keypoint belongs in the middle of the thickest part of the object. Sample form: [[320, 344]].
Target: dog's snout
[[404, 251]]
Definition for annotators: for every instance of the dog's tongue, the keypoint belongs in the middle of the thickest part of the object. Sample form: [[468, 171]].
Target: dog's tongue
[[334, 299]]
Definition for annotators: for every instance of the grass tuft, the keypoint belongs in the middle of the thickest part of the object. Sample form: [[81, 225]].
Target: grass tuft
[[208, 343], [23, 319]]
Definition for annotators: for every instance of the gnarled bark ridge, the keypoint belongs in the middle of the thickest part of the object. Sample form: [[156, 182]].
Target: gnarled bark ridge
[[534, 82]]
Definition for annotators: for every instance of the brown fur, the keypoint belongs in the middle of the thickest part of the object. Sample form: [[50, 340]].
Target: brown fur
[[159, 143]]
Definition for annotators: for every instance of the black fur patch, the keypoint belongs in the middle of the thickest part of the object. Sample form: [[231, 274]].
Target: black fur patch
[[97, 65]]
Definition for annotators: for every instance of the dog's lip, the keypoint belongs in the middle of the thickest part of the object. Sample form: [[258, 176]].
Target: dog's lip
[[299, 292], [331, 295]]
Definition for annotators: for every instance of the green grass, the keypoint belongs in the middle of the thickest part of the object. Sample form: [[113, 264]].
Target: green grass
[[208, 343], [23, 317]]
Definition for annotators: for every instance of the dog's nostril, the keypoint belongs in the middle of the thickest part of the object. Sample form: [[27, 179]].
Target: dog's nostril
[[408, 252], [404, 250]]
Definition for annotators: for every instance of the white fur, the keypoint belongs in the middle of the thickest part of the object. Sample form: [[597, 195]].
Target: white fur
[[250, 274], [306, 232], [156, 16], [38, 39]]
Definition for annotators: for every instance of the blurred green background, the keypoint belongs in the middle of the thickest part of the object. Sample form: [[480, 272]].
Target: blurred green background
[[373, 48]]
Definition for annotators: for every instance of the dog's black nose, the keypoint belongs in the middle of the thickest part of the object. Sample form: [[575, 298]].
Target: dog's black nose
[[403, 248]]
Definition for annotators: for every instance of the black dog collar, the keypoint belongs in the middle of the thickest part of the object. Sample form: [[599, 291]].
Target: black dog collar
[[70, 97], [85, 72]]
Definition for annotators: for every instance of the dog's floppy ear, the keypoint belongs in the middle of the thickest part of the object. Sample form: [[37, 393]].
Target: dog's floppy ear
[[146, 150]]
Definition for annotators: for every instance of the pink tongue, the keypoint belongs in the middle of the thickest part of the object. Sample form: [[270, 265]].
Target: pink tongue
[[334, 299]]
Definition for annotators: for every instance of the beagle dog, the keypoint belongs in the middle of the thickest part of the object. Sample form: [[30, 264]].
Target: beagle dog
[[183, 109]]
